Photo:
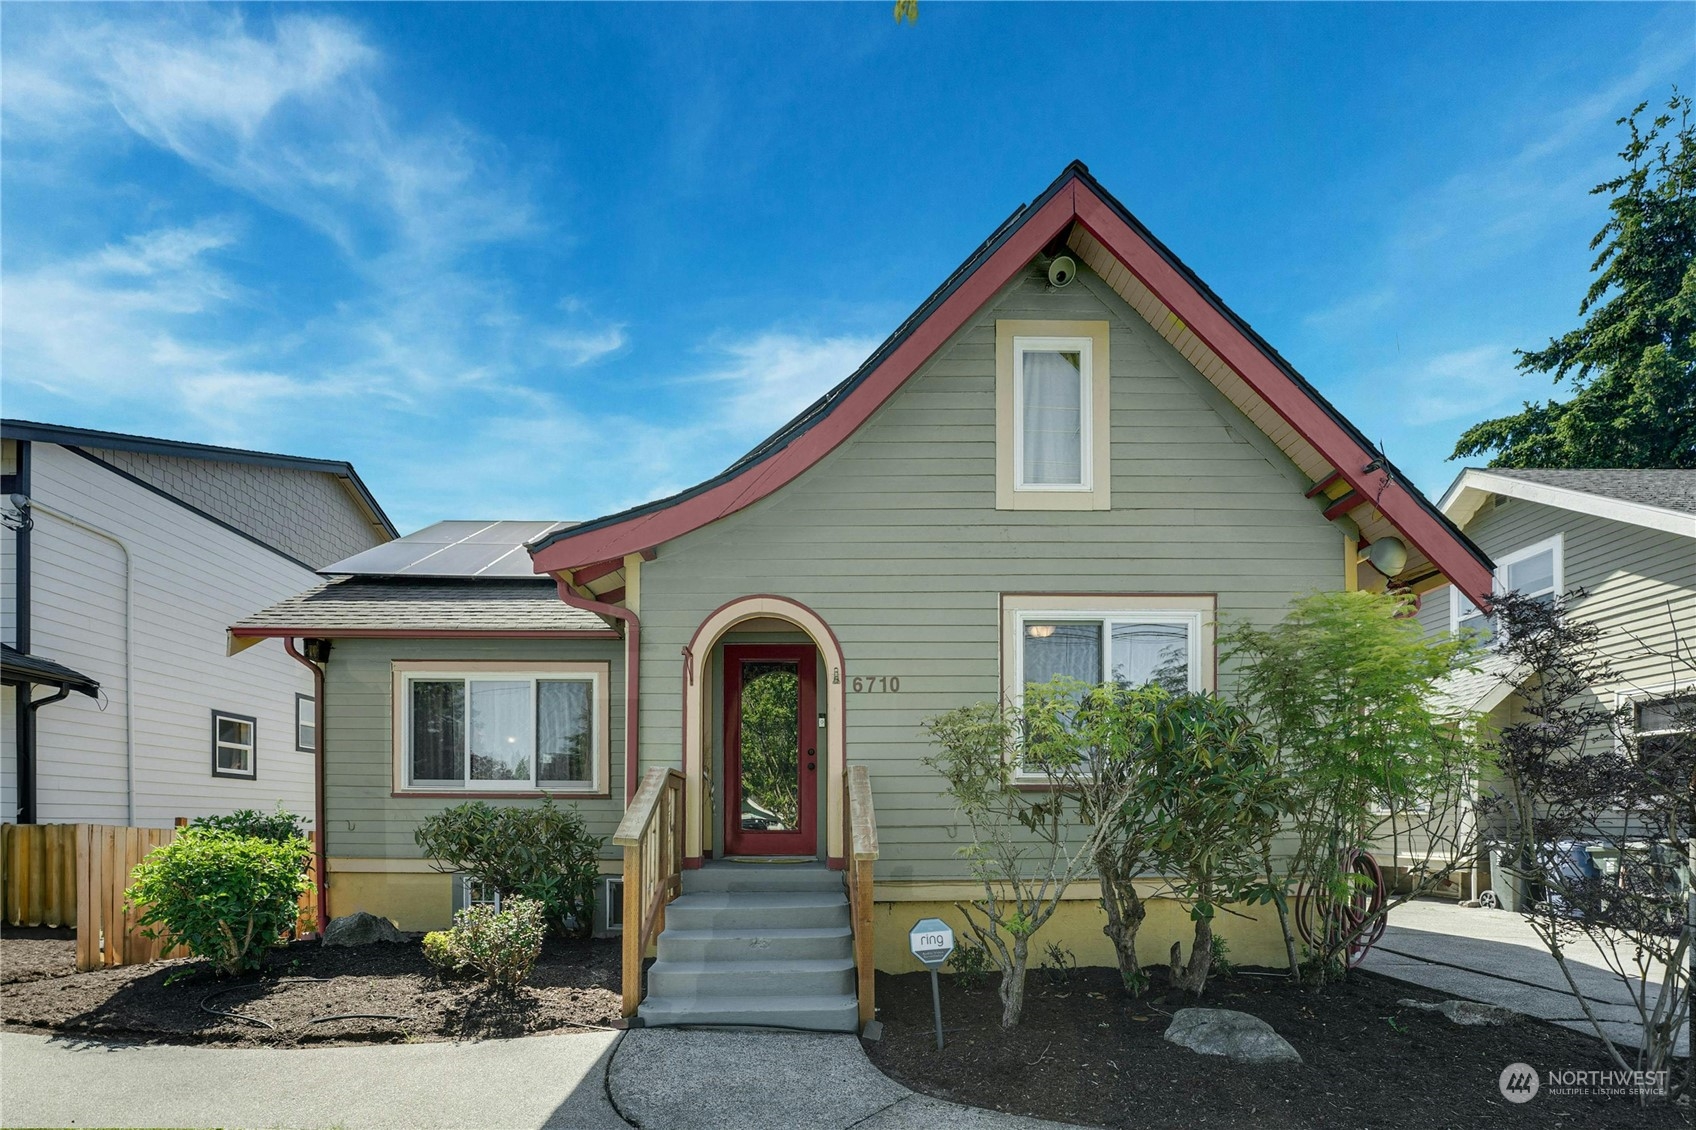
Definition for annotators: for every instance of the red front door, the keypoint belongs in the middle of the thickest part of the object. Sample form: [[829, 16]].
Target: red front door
[[770, 749]]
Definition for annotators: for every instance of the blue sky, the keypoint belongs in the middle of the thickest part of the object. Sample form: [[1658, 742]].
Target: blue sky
[[535, 261]]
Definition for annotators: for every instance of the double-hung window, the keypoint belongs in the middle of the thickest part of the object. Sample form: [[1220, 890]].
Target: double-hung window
[[1166, 641], [234, 747], [1535, 571], [502, 728], [305, 723], [1053, 430]]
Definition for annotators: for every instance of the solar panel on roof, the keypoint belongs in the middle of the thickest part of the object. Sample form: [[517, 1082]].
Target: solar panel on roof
[[454, 548]]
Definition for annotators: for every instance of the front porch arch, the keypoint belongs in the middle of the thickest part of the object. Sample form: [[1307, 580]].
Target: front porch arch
[[697, 715]]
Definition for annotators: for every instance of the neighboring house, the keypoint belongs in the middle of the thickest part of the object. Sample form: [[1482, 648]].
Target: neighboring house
[[1071, 459], [1622, 542], [124, 559]]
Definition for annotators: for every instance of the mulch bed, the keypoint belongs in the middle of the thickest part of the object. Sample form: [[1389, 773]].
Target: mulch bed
[[29, 953], [387, 991], [1086, 1053]]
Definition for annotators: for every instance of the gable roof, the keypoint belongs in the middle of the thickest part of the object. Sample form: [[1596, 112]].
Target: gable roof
[[1316, 437], [148, 445], [1655, 499]]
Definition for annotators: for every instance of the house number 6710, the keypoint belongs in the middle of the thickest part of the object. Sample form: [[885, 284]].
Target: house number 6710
[[862, 684]]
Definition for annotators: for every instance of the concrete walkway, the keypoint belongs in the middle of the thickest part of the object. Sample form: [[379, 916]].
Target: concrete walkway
[[658, 1078], [1493, 956], [556, 1082], [728, 1079]]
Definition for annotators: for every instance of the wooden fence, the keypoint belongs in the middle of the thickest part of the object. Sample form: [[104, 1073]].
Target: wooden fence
[[76, 874], [107, 933], [38, 874]]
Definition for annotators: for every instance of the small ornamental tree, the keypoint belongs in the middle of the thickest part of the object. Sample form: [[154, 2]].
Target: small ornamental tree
[[542, 852], [1217, 793], [1027, 846], [1346, 689], [1579, 780], [1096, 745], [224, 897]]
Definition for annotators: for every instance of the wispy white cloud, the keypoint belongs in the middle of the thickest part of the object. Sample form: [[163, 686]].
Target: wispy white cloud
[[288, 114], [1463, 384]]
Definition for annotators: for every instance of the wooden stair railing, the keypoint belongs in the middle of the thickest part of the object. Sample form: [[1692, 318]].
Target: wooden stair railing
[[651, 835], [862, 858]]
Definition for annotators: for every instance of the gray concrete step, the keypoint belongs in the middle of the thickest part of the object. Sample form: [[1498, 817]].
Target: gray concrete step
[[838, 1012], [686, 980], [750, 909], [725, 944], [719, 875]]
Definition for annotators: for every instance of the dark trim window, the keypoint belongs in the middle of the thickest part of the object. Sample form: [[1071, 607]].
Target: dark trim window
[[305, 723], [235, 748]]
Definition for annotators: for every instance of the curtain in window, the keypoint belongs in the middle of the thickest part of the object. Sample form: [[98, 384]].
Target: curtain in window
[[1055, 649], [438, 731], [500, 731], [1152, 653], [1053, 418], [564, 729]]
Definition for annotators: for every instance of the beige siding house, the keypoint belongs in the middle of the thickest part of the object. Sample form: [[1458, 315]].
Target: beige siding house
[[1072, 458], [1621, 542]]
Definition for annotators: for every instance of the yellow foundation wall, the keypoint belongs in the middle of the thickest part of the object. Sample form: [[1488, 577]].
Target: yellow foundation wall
[[1076, 926], [411, 900]]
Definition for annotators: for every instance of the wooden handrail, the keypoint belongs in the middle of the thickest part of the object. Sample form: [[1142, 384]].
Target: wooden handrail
[[862, 857], [651, 835]]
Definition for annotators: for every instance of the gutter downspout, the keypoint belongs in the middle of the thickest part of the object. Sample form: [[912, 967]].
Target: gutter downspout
[[632, 678], [319, 867], [129, 633], [25, 721]]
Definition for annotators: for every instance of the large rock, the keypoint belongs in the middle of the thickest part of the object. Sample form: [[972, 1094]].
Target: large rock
[[361, 929], [1467, 1013], [1234, 1035]]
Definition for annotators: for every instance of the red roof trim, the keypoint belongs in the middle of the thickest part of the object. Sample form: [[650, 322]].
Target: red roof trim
[[1074, 201], [1357, 466]]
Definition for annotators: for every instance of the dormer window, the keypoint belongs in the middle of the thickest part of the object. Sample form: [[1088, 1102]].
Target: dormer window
[[1052, 423]]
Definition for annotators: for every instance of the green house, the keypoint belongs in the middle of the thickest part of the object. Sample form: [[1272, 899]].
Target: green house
[[1073, 458]]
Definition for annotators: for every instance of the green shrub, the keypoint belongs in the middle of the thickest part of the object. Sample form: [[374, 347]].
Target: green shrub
[[276, 827], [441, 949], [224, 897], [970, 963], [544, 853], [502, 944]]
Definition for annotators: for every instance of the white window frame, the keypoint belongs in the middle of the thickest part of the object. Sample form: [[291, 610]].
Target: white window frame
[[1634, 698], [311, 720], [1084, 348], [1196, 612], [1555, 544], [1013, 339], [597, 674], [251, 773]]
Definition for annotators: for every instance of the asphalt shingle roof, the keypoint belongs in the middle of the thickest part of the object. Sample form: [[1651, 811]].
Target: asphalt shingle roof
[[357, 603], [38, 669], [1669, 490]]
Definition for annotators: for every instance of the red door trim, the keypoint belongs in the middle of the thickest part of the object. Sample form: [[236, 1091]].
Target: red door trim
[[803, 841]]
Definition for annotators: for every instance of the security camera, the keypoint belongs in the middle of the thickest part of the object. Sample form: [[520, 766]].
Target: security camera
[[1061, 271]]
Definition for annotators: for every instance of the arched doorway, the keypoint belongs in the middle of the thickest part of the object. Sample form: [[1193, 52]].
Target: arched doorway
[[700, 800]]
